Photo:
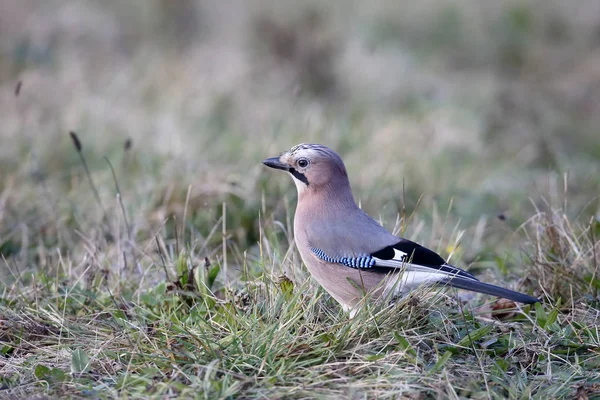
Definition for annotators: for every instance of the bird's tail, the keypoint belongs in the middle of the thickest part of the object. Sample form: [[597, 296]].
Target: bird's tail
[[477, 286]]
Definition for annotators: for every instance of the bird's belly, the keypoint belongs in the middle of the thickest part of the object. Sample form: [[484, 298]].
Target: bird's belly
[[346, 285]]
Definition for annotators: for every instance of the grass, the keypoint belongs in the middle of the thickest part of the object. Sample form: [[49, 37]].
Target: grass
[[89, 333], [153, 256]]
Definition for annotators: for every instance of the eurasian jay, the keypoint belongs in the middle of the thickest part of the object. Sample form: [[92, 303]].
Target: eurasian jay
[[347, 252]]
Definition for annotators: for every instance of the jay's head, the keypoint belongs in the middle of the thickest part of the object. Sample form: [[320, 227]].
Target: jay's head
[[314, 167]]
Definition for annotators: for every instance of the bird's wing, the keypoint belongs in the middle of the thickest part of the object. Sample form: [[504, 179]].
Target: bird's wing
[[421, 266], [358, 241], [414, 257], [404, 255]]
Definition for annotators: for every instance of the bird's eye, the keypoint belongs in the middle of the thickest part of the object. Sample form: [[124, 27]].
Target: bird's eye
[[303, 163]]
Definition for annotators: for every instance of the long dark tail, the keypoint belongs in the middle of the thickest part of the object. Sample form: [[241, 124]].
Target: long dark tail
[[480, 287]]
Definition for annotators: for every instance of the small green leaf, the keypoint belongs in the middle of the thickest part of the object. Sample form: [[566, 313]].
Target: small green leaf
[[42, 372], [287, 287], [6, 349], [594, 282], [404, 344], [374, 357], [79, 361], [149, 299], [328, 338], [592, 334], [212, 276], [501, 365], [552, 316], [160, 289], [183, 279], [540, 315], [181, 264], [501, 263], [441, 362], [474, 336], [58, 375]]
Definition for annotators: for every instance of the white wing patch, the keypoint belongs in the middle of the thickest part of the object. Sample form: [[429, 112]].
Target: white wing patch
[[399, 255], [397, 262]]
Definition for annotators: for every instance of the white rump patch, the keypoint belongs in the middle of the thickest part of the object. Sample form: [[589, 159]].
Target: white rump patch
[[409, 280]]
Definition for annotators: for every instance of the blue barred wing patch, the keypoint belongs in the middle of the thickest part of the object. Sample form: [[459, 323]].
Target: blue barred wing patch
[[365, 261]]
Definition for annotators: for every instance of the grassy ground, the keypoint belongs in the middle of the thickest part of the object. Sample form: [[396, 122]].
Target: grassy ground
[[153, 257]]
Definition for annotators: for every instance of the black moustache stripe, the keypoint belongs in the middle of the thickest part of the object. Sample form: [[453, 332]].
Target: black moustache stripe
[[301, 177]]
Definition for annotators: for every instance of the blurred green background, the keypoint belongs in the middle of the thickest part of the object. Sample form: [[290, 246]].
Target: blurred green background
[[466, 112]]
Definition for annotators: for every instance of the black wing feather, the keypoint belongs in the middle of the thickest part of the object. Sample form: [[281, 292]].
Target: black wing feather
[[416, 253], [419, 255], [481, 287]]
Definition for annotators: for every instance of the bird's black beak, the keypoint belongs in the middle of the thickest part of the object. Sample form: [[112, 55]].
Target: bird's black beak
[[274, 162]]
